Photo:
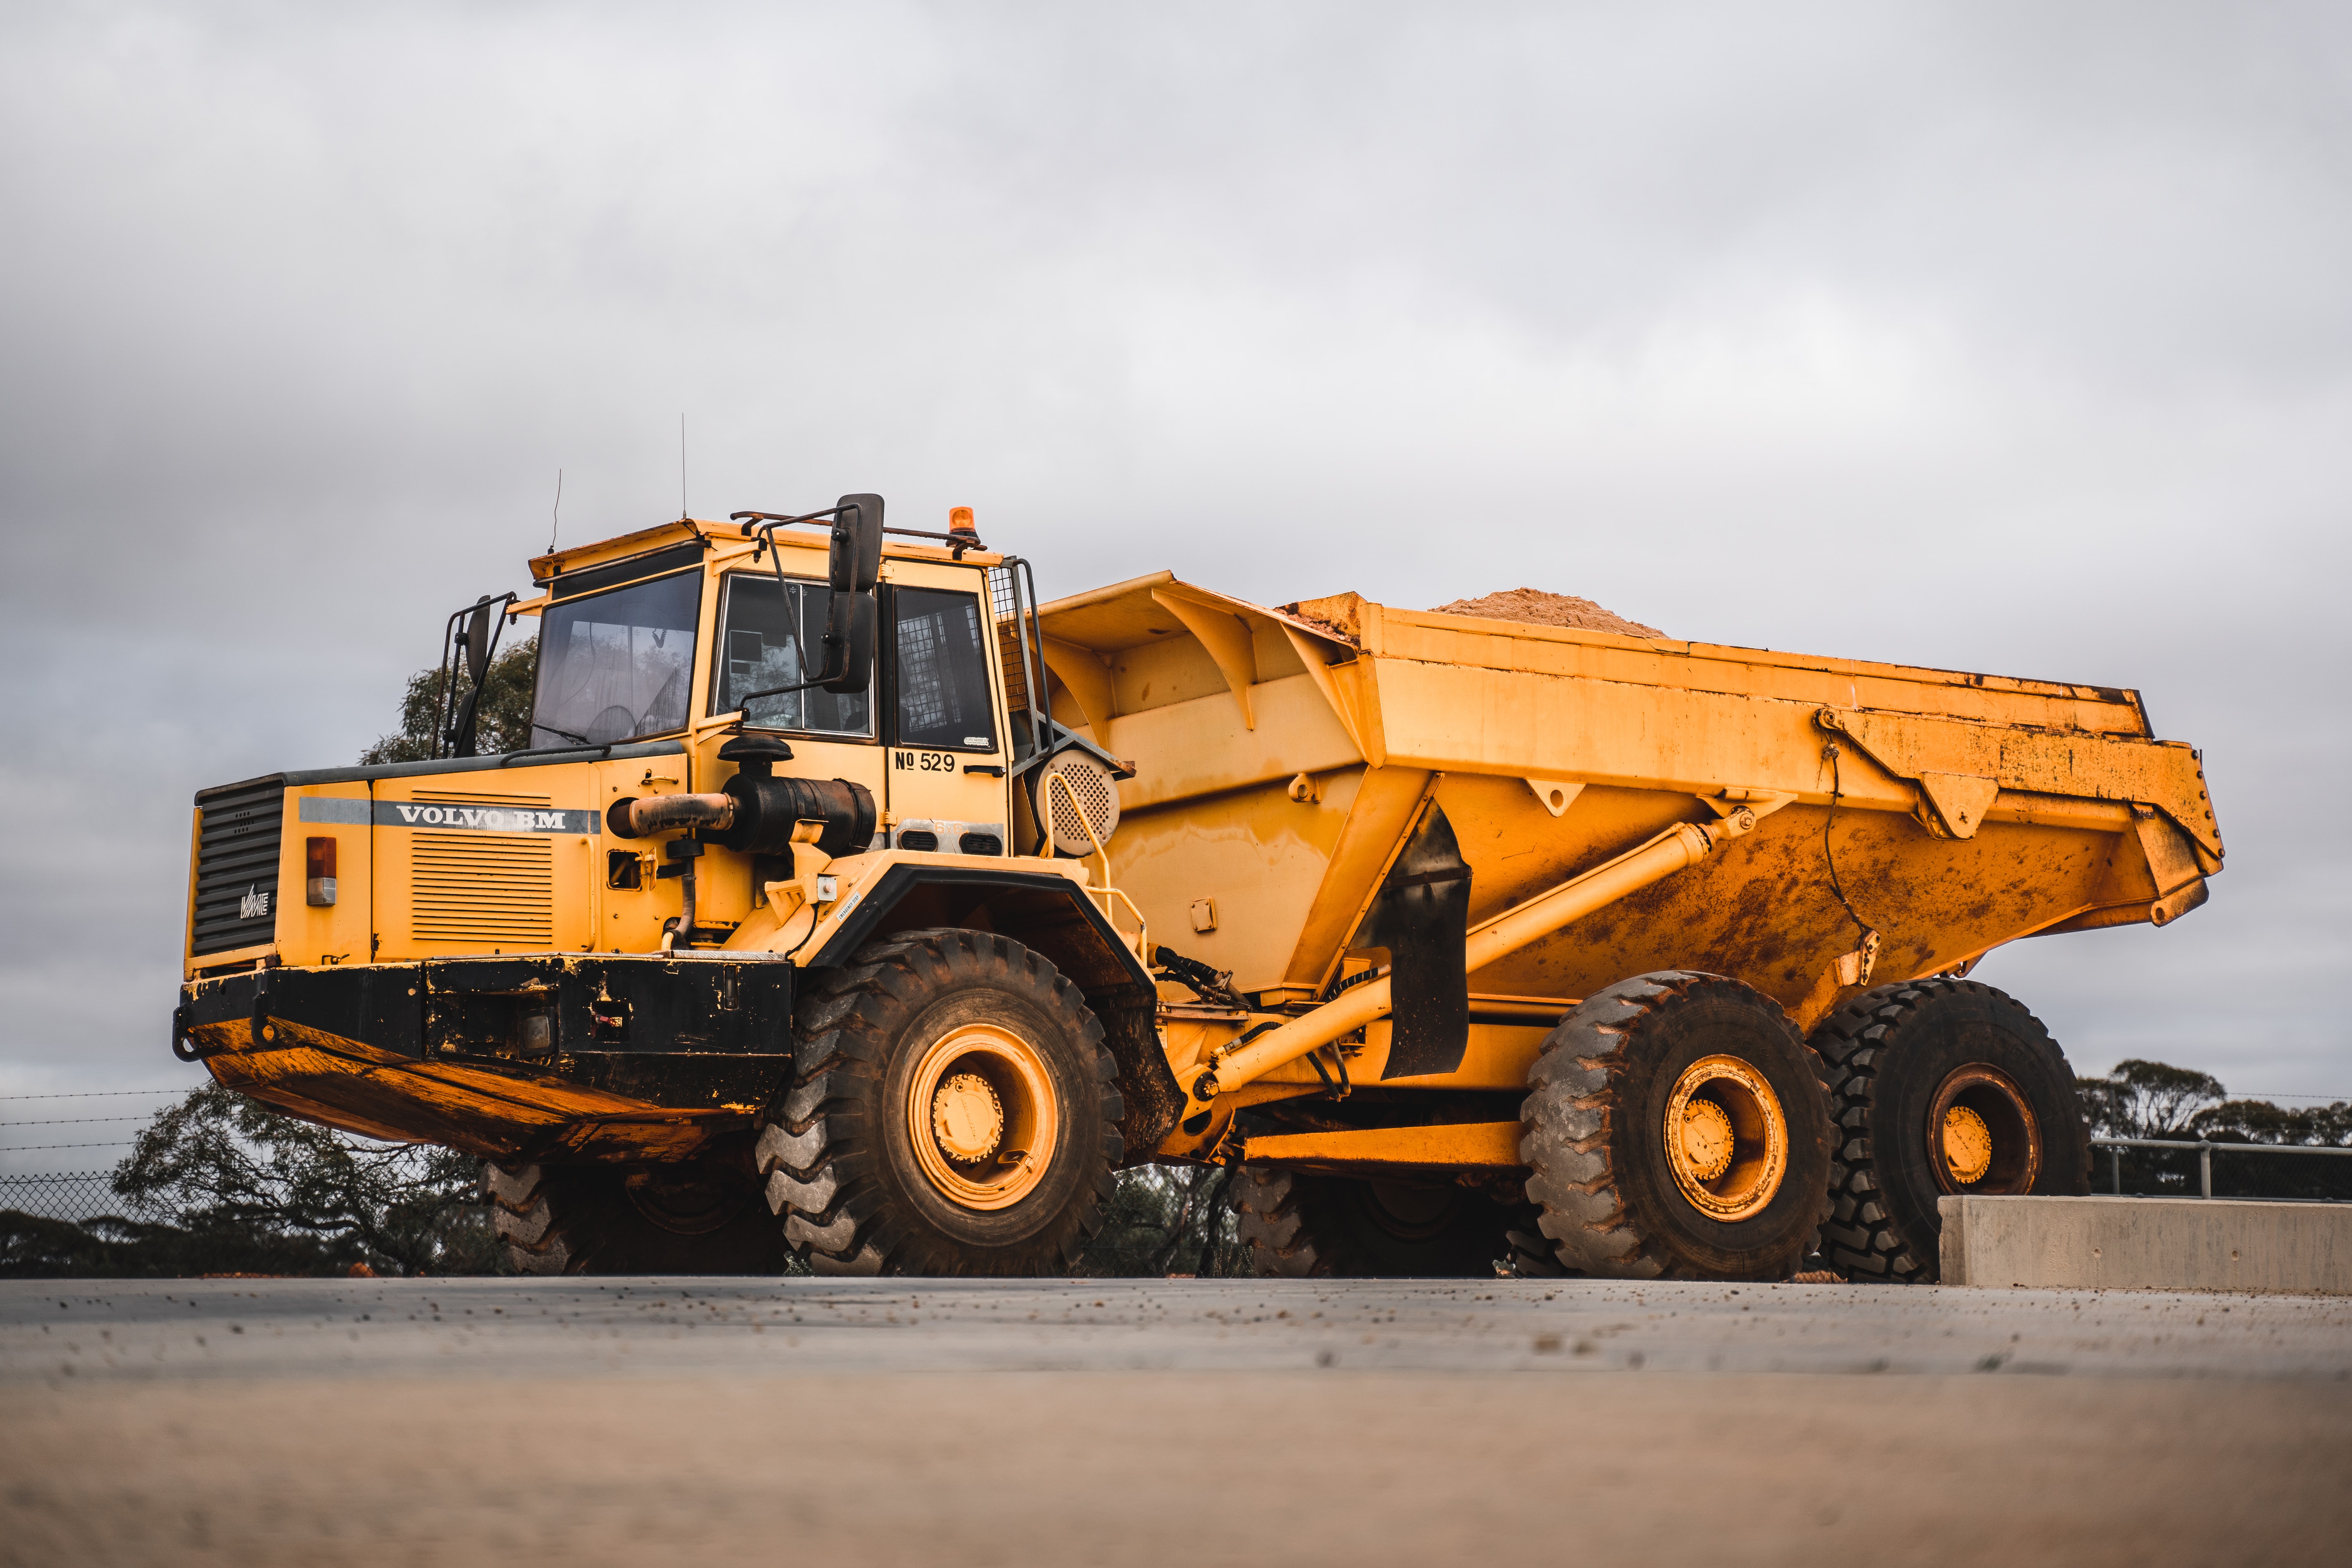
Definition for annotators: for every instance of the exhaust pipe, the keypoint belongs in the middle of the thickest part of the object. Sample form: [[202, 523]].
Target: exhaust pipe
[[636, 816]]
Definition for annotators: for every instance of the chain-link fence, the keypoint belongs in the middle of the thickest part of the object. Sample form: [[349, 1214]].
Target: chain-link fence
[[72, 1196]]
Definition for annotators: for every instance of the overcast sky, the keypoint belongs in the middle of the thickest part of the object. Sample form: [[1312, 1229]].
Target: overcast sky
[[2006, 338]]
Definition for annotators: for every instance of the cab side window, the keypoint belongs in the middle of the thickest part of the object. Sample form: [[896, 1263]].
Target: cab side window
[[769, 637], [939, 672]]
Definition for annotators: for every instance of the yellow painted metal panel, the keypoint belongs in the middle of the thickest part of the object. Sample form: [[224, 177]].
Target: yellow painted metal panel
[[339, 933], [1259, 854], [1476, 641], [2102, 768], [1385, 803], [1451, 1146], [446, 884]]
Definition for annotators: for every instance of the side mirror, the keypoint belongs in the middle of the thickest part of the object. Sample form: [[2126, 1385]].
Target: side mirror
[[854, 566], [477, 637], [470, 646], [855, 563], [849, 635]]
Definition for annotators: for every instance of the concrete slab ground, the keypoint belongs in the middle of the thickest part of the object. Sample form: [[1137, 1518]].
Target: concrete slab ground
[[1178, 1421], [2147, 1244]]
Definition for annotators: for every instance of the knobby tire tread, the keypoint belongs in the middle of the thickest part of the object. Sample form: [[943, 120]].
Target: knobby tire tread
[[1570, 1119], [1860, 1239], [819, 1151]]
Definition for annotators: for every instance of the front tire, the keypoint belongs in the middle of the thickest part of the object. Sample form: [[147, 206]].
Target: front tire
[[952, 1114], [1678, 1128], [1941, 1087]]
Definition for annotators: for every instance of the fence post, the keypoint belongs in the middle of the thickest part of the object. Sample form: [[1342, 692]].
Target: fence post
[[2115, 1164], [2204, 1169]]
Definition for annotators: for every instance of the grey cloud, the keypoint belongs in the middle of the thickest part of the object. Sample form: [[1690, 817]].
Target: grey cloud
[[1999, 338]]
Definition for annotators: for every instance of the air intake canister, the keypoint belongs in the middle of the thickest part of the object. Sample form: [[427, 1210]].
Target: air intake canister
[[767, 808]]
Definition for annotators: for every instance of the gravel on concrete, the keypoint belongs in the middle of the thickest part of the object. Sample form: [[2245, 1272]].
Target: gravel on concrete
[[587, 1422]]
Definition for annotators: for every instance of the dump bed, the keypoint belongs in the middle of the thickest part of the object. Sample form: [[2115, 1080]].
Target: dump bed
[[1281, 757]]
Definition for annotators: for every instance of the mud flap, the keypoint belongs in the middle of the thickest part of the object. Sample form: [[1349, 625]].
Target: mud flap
[[1421, 916]]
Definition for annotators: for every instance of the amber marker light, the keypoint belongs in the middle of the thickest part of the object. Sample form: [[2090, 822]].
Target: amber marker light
[[318, 870], [959, 521]]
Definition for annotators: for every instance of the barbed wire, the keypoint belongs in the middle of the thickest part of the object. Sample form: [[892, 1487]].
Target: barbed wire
[[96, 1093], [2278, 1094], [36, 1148], [71, 1121]]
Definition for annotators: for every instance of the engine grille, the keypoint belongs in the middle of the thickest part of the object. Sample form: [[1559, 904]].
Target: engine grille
[[236, 866], [497, 887]]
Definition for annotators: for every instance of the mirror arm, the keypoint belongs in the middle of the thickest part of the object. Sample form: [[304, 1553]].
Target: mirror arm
[[769, 521], [836, 649], [453, 722], [836, 654]]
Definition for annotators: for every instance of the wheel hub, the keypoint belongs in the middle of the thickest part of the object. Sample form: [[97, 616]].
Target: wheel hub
[[1726, 1138], [1706, 1139], [982, 1116], [1968, 1145], [966, 1118], [1982, 1134]]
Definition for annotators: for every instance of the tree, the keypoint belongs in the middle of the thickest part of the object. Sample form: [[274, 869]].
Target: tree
[[502, 722], [2157, 1100], [230, 1186], [2147, 1099], [225, 1166], [1167, 1219]]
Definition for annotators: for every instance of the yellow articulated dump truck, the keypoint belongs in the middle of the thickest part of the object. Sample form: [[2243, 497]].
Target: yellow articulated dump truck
[[848, 900]]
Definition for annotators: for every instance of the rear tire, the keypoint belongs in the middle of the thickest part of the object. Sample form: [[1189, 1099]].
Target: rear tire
[[611, 1219], [921, 1066], [1739, 1193], [1901, 1058], [1299, 1226]]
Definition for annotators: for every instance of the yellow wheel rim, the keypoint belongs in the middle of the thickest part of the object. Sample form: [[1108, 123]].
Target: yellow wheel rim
[[1982, 1134], [1967, 1145], [1726, 1138], [982, 1116]]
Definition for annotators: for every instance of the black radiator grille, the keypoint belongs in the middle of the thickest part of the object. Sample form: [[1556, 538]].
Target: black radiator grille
[[236, 866]]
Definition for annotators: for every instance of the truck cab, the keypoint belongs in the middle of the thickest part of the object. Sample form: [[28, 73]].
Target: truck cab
[[589, 949]]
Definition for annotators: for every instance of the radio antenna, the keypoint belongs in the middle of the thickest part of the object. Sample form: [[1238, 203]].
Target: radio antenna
[[556, 516], [682, 513]]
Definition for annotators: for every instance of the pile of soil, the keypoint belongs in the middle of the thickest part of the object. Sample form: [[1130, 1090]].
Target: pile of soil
[[1537, 607]]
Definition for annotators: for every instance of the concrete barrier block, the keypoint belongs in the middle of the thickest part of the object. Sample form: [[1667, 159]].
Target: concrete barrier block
[[2147, 1244]]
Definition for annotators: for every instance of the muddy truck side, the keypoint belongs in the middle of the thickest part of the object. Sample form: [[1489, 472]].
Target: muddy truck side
[[849, 901]]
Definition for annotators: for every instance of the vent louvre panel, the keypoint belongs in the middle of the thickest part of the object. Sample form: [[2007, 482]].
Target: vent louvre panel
[[480, 887], [236, 856]]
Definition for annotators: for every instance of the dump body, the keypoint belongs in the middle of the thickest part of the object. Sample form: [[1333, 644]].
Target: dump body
[[1282, 758]]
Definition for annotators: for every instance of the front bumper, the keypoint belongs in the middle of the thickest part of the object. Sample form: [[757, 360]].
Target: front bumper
[[584, 1057]]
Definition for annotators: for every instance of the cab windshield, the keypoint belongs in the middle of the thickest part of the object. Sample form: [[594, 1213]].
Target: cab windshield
[[616, 665]]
